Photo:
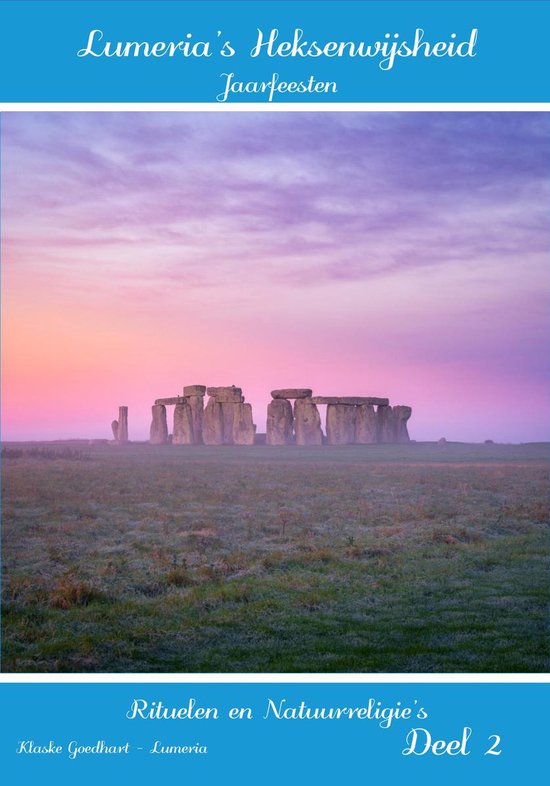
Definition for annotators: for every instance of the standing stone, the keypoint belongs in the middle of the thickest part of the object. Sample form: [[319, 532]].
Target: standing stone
[[307, 422], [341, 424], [243, 427], [366, 425], [159, 427], [183, 425], [197, 407], [122, 430], [228, 418], [401, 414], [114, 427], [212, 423], [386, 426], [279, 423]]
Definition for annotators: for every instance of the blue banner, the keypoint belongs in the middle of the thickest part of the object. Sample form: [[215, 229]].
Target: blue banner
[[269, 734], [221, 52]]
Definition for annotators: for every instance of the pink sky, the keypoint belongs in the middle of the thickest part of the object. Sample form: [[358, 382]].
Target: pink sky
[[399, 255]]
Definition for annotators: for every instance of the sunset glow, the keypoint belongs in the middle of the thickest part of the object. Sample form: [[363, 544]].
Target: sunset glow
[[400, 255]]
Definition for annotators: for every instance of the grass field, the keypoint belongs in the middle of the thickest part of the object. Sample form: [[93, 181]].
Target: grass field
[[408, 558]]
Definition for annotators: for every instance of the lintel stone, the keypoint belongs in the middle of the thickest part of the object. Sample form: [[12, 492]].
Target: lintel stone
[[194, 390], [224, 391], [352, 401], [291, 393]]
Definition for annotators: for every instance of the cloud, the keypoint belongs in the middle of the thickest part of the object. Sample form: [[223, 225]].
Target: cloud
[[426, 231], [348, 196]]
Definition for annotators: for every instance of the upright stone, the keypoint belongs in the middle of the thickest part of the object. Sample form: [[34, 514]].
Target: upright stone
[[279, 422], [159, 427], [114, 428], [401, 414], [386, 430], [243, 427], [228, 419], [340, 424], [307, 423], [366, 425], [122, 430], [197, 407], [212, 423], [183, 425]]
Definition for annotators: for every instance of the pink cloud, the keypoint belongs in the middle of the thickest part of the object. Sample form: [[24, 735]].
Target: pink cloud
[[401, 255]]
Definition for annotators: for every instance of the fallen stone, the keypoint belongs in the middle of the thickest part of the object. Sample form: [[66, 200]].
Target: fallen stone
[[216, 392], [197, 406], [169, 402], [366, 425], [351, 401], [401, 414], [183, 425], [291, 393], [307, 423], [243, 426], [194, 390], [159, 427], [212, 423], [114, 428], [340, 424], [122, 431], [386, 425], [279, 422]]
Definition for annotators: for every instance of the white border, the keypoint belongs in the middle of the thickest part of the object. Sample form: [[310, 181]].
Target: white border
[[237, 678], [272, 107]]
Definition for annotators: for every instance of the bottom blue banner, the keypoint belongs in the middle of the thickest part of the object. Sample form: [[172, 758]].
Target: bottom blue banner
[[273, 733]]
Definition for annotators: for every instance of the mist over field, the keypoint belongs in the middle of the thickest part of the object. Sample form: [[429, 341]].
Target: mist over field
[[390, 558]]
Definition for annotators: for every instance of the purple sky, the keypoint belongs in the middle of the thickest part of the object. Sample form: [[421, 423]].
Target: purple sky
[[388, 254]]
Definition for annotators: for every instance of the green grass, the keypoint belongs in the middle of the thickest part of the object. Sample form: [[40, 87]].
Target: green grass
[[409, 558]]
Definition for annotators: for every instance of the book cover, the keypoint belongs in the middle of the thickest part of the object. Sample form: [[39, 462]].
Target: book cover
[[274, 391]]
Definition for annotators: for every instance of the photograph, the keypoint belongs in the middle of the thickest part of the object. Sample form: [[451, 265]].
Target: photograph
[[275, 392]]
